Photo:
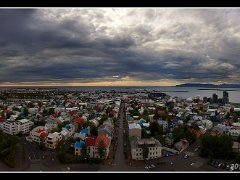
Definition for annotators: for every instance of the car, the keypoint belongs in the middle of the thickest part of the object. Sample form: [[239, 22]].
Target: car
[[186, 156], [192, 164], [152, 165], [216, 164], [219, 165], [171, 163]]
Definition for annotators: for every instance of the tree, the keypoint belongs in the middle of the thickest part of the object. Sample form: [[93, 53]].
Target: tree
[[93, 130], [101, 149], [238, 139], [51, 111], [103, 118], [42, 144], [25, 111], [85, 124], [155, 128], [145, 151], [144, 133], [160, 138], [216, 146], [84, 153], [156, 115]]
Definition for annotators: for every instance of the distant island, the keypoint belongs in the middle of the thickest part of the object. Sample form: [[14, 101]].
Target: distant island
[[209, 85]]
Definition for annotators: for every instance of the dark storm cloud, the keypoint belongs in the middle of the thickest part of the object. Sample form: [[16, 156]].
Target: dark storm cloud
[[91, 45]]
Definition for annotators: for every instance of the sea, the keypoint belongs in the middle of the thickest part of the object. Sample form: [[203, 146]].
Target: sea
[[184, 92]]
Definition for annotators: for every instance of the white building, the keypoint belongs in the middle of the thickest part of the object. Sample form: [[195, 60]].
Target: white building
[[37, 133], [14, 127], [207, 124], [135, 130], [234, 132], [52, 140], [153, 145]]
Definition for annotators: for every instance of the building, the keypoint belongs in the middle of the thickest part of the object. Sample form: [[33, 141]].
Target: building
[[90, 143], [181, 145], [214, 98], [225, 97], [135, 130], [78, 147], [82, 134], [234, 132], [153, 145], [105, 129], [14, 127], [37, 133], [67, 131], [106, 142], [52, 140]]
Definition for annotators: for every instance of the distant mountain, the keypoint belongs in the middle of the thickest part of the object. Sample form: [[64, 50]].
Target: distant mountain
[[209, 85]]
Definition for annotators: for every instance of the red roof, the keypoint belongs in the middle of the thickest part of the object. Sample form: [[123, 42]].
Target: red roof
[[2, 118], [39, 130], [113, 112], [42, 132], [90, 141], [54, 115], [7, 111], [79, 120], [104, 138], [72, 112]]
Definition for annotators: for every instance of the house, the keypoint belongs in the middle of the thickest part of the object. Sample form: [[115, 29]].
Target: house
[[82, 134], [33, 111], [94, 121], [181, 145], [50, 124], [106, 142], [78, 147], [163, 124], [109, 122], [2, 118], [90, 143], [67, 131], [37, 133], [153, 145], [135, 130], [105, 129], [236, 147], [52, 140], [234, 132], [78, 122], [113, 113]]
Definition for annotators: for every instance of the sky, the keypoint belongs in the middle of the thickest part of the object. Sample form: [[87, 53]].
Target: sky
[[119, 46]]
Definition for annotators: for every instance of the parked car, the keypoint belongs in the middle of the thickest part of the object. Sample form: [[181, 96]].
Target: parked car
[[152, 165], [186, 156]]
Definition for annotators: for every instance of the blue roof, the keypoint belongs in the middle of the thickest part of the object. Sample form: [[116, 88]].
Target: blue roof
[[141, 121], [69, 126], [79, 144], [84, 131]]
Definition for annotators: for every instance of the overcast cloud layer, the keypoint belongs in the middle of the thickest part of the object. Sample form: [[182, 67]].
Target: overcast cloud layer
[[108, 45]]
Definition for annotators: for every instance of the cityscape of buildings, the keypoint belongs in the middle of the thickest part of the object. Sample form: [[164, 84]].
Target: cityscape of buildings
[[123, 130]]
